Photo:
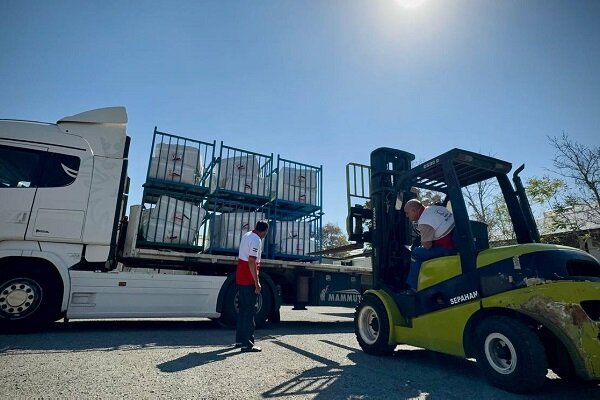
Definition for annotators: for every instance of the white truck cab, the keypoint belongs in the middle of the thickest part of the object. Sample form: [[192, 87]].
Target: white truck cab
[[60, 191]]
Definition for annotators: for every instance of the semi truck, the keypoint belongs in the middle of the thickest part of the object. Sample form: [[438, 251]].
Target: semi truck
[[68, 249]]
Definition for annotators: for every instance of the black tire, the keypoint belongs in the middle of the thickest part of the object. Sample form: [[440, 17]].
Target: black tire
[[371, 326], [230, 308], [560, 363], [29, 297], [511, 355]]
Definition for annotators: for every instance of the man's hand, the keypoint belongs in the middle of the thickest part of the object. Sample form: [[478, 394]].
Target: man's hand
[[427, 245], [257, 288]]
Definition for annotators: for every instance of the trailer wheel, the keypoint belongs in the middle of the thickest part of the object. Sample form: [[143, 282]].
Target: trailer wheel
[[511, 355], [371, 326], [264, 304], [29, 297]]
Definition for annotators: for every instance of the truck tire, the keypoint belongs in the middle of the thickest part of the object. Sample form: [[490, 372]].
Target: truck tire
[[264, 305], [29, 297], [511, 355], [371, 326]]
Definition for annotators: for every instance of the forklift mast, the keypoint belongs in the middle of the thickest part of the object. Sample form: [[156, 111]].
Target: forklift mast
[[390, 230]]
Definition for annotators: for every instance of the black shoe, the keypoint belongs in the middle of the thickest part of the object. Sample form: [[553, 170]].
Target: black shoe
[[237, 345], [251, 349]]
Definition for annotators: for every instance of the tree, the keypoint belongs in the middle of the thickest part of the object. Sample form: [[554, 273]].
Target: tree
[[333, 237], [579, 164]]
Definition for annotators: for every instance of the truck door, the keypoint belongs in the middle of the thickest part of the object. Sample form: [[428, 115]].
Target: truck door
[[58, 211], [20, 169]]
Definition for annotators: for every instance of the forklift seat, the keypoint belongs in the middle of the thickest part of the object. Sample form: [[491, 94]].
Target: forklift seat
[[438, 270]]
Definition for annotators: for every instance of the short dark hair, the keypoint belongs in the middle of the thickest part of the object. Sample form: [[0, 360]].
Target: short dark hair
[[262, 226]]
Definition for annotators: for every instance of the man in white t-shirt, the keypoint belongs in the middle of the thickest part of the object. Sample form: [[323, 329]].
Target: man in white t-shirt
[[435, 224], [248, 284]]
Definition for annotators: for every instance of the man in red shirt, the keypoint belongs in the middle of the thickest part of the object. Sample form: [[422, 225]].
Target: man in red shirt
[[248, 284], [435, 224]]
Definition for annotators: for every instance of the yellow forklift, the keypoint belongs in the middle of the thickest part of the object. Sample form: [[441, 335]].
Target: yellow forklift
[[518, 309]]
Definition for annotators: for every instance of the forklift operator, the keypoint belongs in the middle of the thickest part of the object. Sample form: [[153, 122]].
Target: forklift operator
[[435, 224]]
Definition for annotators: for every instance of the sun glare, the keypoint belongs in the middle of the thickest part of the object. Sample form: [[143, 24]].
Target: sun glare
[[411, 3]]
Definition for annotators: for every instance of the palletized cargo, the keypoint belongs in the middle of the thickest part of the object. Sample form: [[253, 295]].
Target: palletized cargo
[[223, 231], [296, 239], [242, 176], [297, 188], [180, 165], [170, 222]]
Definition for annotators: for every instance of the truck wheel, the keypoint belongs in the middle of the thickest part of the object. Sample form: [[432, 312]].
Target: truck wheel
[[511, 355], [29, 298], [371, 326], [264, 304]]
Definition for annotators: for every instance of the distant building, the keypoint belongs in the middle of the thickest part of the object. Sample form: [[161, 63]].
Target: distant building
[[581, 231]]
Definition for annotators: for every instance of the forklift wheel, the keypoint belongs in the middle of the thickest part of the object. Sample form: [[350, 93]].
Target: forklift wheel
[[511, 355], [371, 326]]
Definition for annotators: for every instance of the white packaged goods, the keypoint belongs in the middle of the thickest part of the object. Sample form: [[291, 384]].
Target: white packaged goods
[[291, 229], [297, 194], [300, 177], [180, 154], [171, 171], [179, 212], [156, 230], [231, 226], [245, 184], [296, 246], [243, 165]]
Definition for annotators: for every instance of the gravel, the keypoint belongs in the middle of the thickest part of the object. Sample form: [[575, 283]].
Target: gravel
[[310, 354]]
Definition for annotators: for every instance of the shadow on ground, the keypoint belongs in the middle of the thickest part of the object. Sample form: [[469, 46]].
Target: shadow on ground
[[406, 374], [126, 335]]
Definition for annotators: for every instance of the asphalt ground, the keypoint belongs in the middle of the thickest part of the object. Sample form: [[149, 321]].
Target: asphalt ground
[[310, 354]]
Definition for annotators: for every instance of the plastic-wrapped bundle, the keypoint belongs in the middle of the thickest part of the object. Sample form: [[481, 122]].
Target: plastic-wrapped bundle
[[291, 229], [172, 171], [242, 165], [296, 246], [255, 185], [230, 227], [179, 212], [161, 231], [297, 194], [180, 154], [299, 177]]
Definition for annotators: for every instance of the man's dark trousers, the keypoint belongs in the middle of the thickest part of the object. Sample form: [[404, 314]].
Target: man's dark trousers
[[247, 310]]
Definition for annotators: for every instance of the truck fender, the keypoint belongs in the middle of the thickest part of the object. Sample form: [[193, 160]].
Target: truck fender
[[231, 281], [58, 265], [393, 313]]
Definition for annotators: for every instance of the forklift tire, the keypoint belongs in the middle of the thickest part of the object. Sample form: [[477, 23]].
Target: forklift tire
[[371, 326], [511, 355]]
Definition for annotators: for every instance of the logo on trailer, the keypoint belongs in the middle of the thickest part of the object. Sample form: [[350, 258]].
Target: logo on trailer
[[343, 296]]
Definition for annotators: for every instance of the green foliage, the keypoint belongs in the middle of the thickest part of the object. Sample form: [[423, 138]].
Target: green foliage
[[543, 190], [333, 237]]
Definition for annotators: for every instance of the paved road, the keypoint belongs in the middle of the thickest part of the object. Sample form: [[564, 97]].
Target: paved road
[[311, 354]]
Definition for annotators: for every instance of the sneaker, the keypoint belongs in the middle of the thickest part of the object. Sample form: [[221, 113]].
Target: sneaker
[[237, 345], [251, 349]]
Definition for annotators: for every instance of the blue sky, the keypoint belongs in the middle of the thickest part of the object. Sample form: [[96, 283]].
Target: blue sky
[[320, 82]]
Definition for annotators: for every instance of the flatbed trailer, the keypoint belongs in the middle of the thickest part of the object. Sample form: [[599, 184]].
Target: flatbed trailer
[[68, 251]]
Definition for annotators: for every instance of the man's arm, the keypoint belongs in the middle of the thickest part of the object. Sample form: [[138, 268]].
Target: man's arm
[[252, 266], [427, 233]]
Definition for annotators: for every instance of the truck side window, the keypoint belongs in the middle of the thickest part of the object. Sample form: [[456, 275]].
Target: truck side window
[[59, 170], [19, 167]]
